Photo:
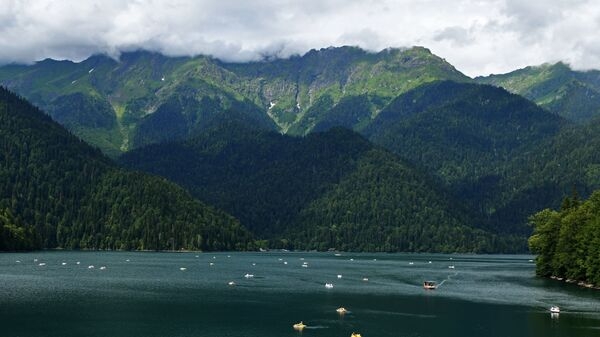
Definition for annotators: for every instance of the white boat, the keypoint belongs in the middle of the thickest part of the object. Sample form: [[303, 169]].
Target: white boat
[[299, 326], [365, 279], [231, 283], [341, 310], [304, 266], [249, 275], [103, 268], [91, 267], [339, 276], [554, 309], [328, 285], [451, 267], [42, 264], [183, 268]]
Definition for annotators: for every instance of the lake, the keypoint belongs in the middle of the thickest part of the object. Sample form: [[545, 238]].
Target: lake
[[148, 294]]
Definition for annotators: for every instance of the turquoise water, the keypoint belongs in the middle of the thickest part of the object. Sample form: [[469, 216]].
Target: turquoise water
[[146, 294]]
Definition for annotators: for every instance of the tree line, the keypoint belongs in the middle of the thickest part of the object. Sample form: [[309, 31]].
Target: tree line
[[567, 241]]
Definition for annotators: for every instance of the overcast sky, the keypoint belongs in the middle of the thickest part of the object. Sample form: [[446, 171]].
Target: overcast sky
[[479, 37]]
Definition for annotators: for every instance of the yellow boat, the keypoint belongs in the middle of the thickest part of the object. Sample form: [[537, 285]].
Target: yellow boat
[[354, 334], [299, 326]]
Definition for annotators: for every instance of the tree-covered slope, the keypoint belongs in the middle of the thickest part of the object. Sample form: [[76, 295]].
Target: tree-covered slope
[[57, 191], [155, 98], [326, 190], [574, 95], [570, 160], [567, 242], [468, 136], [461, 130]]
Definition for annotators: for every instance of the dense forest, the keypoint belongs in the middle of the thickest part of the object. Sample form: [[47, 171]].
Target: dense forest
[[469, 137], [58, 192], [326, 190], [567, 241]]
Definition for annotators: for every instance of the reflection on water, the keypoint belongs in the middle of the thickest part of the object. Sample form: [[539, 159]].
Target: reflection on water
[[191, 294]]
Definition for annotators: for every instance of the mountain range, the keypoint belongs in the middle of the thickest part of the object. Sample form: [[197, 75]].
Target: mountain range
[[149, 98], [338, 148]]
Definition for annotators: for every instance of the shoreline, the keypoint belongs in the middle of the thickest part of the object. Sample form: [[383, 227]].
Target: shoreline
[[581, 284]]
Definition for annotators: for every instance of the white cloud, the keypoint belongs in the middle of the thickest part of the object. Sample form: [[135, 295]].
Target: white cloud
[[477, 36]]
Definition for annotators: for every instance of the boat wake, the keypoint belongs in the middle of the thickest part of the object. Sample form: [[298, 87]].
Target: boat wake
[[447, 279], [316, 327], [394, 313]]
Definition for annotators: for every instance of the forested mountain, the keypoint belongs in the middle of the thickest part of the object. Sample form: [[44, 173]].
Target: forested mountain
[[468, 135], [575, 95], [470, 161], [325, 190], [567, 241], [149, 98], [569, 161], [57, 191]]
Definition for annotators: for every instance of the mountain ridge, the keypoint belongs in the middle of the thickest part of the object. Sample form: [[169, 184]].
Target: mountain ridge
[[282, 90]]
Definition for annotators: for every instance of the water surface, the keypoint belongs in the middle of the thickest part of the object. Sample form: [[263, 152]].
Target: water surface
[[147, 294]]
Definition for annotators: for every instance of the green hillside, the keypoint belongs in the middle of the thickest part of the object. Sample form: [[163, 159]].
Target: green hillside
[[58, 192], [468, 136], [299, 91], [575, 95], [568, 161], [326, 190]]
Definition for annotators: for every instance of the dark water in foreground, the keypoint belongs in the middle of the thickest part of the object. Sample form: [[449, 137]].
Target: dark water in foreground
[[146, 294]]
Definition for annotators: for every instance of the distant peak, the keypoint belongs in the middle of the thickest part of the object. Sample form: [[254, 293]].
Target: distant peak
[[52, 61], [413, 49], [336, 50], [553, 66]]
